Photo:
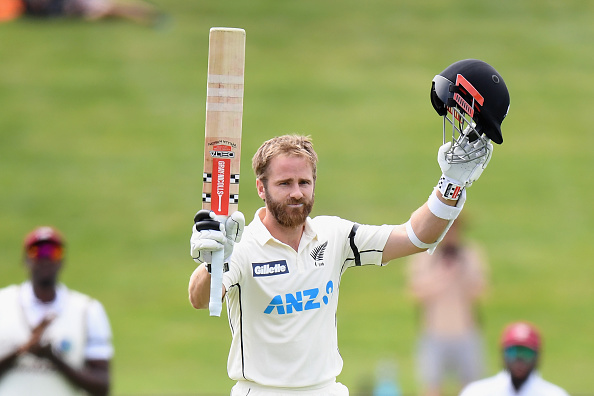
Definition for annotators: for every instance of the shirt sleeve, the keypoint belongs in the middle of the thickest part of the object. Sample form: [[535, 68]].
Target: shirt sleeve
[[99, 344], [367, 243]]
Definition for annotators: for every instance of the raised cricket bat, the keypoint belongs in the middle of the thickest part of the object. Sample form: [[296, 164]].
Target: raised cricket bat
[[222, 143]]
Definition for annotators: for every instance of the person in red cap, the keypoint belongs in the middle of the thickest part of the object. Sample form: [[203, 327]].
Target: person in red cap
[[521, 346], [138, 11], [53, 341]]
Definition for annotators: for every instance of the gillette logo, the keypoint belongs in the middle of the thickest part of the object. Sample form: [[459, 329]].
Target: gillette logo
[[271, 268]]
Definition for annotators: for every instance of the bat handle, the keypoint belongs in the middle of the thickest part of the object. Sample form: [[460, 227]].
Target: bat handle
[[216, 283]]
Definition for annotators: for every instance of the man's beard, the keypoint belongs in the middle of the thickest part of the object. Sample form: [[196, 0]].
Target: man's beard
[[286, 216]]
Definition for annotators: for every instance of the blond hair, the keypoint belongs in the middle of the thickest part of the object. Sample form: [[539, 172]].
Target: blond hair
[[292, 145]]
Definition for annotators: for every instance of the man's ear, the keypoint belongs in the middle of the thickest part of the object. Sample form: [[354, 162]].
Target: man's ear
[[261, 189]]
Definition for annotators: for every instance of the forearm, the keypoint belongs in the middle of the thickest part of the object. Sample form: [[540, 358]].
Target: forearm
[[93, 378], [199, 288], [7, 362], [427, 226], [433, 220]]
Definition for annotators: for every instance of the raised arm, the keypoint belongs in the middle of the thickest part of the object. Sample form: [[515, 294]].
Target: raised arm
[[423, 231], [473, 100], [429, 224]]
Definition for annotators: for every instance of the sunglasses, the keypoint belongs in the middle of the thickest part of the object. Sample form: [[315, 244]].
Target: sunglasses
[[49, 251], [519, 353]]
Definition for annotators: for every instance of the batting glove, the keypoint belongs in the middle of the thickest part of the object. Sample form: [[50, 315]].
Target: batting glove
[[209, 234], [462, 173]]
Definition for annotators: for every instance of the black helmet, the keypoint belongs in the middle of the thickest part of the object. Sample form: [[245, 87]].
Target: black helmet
[[474, 88]]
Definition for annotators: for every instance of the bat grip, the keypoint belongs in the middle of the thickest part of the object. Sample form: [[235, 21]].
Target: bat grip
[[216, 283]]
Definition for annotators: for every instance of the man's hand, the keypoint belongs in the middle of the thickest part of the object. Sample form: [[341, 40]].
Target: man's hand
[[209, 234], [465, 164], [33, 345]]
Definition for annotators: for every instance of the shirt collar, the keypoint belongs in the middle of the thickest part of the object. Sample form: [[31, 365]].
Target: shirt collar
[[29, 300], [533, 376]]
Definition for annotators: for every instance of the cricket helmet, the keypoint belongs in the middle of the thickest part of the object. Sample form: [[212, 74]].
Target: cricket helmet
[[521, 334], [43, 234], [474, 91]]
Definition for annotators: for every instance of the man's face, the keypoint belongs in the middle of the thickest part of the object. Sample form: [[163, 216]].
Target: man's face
[[520, 361], [44, 261], [288, 190]]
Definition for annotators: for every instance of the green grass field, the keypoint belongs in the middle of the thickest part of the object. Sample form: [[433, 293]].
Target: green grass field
[[101, 133]]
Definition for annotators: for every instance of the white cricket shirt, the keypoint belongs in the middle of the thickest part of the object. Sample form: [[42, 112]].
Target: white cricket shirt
[[501, 385], [282, 303], [80, 331]]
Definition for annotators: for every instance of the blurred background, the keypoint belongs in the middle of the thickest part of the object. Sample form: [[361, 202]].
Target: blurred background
[[101, 135]]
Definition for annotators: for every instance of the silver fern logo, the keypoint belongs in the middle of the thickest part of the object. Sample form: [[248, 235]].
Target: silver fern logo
[[318, 254]]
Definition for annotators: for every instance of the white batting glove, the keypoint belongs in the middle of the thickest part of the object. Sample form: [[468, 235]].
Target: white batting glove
[[209, 234], [464, 173]]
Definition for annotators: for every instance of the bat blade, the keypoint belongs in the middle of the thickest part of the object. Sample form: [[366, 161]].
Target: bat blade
[[224, 112], [222, 142]]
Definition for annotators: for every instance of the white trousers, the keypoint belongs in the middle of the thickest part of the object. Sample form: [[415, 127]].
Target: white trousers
[[246, 388]]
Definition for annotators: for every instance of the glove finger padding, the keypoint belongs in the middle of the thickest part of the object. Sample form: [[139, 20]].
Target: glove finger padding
[[464, 173], [234, 225], [482, 165], [207, 236], [441, 158], [203, 243], [205, 220]]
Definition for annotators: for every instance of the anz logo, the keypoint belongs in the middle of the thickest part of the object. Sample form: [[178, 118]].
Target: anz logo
[[300, 301]]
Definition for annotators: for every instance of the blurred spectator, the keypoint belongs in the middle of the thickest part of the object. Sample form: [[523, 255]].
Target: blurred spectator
[[447, 286], [92, 10], [520, 346], [53, 341], [11, 9]]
